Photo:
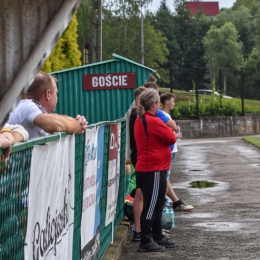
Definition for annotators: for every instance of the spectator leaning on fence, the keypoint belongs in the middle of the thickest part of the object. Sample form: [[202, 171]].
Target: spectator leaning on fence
[[9, 135], [152, 138], [35, 112]]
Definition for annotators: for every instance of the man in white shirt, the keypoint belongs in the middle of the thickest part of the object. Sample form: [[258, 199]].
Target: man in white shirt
[[35, 112]]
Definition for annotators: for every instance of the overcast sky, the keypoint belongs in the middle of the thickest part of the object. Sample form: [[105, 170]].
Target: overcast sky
[[156, 3]]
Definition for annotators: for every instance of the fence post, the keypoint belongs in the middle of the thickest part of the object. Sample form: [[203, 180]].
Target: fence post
[[220, 91], [242, 90], [171, 88], [197, 94]]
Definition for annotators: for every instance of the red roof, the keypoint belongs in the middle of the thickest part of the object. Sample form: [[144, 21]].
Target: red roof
[[210, 8]]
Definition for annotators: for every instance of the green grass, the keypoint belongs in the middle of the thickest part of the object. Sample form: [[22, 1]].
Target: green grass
[[254, 140], [250, 106]]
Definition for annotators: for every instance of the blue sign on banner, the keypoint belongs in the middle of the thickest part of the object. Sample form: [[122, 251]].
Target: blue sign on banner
[[99, 172]]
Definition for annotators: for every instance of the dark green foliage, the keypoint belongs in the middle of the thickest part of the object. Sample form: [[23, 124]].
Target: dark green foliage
[[213, 106], [184, 42], [185, 110]]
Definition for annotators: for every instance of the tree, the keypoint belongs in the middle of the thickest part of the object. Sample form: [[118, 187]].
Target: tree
[[125, 8], [246, 3], [163, 6], [223, 47], [121, 34], [164, 21], [252, 75], [184, 41], [66, 53], [225, 52], [243, 21], [123, 37]]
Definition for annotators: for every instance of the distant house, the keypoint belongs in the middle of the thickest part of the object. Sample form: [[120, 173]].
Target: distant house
[[210, 9]]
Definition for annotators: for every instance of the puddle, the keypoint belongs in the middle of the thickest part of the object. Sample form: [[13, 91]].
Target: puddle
[[194, 215], [254, 164], [220, 226], [202, 184]]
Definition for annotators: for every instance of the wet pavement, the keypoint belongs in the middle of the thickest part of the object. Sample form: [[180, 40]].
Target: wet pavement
[[225, 223]]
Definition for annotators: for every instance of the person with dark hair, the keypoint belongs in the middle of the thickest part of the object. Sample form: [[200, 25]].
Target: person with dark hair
[[135, 193], [152, 138], [151, 85], [35, 113], [132, 119]]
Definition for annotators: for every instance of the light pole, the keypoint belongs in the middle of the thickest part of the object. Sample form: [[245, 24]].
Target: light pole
[[142, 34]]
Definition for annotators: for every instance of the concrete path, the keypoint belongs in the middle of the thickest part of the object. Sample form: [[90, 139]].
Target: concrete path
[[225, 223]]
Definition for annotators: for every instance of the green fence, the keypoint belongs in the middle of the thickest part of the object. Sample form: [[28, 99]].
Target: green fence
[[14, 184]]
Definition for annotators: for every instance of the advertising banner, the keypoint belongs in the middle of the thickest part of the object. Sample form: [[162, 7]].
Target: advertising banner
[[50, 223], [113, 172], [90, 222]]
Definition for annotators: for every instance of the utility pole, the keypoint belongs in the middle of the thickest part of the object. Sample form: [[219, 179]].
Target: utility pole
[[96, 30], [100, 31], [210, 74], [142, 35]]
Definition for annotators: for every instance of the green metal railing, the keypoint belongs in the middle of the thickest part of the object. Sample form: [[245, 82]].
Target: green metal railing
[[14, 185]]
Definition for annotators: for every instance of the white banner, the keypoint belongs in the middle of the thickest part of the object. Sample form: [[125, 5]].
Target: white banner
[[113, 172], [90, 235], [50, 224]]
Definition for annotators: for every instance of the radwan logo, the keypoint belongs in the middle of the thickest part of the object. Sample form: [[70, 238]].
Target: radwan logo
[[90, 152]]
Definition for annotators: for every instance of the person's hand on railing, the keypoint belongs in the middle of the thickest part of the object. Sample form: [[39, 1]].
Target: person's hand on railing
[[83, 122]]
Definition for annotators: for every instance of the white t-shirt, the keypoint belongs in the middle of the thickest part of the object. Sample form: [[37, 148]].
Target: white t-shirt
[[25, 113], [174, 150]]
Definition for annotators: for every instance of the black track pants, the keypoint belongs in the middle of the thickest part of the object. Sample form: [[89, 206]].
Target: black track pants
[[153, 186]]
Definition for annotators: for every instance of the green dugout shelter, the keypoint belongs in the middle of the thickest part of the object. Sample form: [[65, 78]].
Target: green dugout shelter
[[102, 91]]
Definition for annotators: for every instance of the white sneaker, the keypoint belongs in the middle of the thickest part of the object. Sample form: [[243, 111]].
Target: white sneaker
[[183, 207]]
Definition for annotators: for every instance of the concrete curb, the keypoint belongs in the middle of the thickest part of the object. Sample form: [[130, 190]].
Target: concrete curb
[[115, 250]]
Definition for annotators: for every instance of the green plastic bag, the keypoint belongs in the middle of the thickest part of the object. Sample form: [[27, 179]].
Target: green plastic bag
[[166, 221], [166, 218]]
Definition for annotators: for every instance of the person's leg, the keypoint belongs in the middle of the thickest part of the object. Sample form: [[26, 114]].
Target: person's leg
[[153, 190], [178, 205], [170, 192], [160, 189], [137, 209], [149, 184], [158, 236]]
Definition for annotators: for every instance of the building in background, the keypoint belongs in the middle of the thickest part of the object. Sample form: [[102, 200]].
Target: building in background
[[210, 9]]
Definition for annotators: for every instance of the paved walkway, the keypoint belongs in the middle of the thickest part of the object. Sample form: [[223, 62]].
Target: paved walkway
[[225, 223]]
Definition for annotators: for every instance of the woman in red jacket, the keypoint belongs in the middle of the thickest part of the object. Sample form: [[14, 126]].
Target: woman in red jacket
[[152, 138]]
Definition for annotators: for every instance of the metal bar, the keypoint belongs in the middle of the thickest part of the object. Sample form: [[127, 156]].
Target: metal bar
[[242, 90], [220, 91], [94, 33], [142, 36], [100, 30], [37, 57], [197, 94], [171, 88]]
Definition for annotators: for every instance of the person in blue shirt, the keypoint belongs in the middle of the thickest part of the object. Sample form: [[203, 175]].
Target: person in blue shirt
[[168, 102]]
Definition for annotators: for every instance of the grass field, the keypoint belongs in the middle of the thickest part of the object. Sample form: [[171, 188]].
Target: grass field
[[254, 140]]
